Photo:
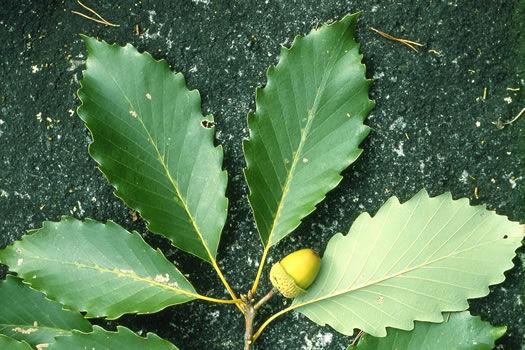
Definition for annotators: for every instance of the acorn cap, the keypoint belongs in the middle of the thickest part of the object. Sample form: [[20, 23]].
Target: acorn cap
[[296, 272]]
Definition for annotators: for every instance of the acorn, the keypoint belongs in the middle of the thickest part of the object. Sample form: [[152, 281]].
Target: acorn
[[296, 272]]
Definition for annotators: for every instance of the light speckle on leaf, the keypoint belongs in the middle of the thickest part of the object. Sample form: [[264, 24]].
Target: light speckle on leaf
[[148, 96], [24, 331], [162, 279], [133, 113], [19, 262]]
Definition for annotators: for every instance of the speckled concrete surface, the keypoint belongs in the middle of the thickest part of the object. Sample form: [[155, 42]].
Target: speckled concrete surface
[[432, 128]]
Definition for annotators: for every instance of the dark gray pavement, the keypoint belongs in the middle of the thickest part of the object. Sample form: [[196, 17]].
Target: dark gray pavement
[[432, 128]]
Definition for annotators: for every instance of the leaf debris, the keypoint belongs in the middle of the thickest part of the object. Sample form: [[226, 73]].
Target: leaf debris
[[408, 43], [500, 125], [134, 215], [100, 20]]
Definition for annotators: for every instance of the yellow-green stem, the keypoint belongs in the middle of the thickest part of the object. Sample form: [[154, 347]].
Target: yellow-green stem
[[232, 293], [273, 317], [222, 301], [259, 272]]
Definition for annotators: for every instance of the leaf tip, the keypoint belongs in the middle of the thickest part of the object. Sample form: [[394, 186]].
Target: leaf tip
[[89, 41], [498, 332]]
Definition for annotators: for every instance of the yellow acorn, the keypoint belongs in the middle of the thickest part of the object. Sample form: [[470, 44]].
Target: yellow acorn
[[296, 272]]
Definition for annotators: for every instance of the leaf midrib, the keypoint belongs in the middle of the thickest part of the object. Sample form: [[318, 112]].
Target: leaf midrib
[[133, 276], [304, 133], [37, 326], [160, 158], [344, 291]]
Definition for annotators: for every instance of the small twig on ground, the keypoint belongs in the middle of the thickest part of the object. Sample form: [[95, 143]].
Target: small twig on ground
[[500, 125], [408, 43], [357, 337], [100, 20], [250, 310]]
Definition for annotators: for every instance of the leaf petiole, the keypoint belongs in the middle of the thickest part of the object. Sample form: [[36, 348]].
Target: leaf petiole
[[267, 322], [259, 272], [222, 301], [234, 300]]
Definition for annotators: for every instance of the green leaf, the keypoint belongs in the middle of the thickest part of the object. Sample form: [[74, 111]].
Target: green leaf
[[307, 127], [154, 145], [410, 262], [101, 269], [460, 332], [102, 339], [27, 315], [13, 344]]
